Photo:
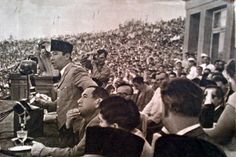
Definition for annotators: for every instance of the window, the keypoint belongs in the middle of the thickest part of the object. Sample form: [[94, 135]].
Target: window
[[219, 19], [194, 32], [218, 33]]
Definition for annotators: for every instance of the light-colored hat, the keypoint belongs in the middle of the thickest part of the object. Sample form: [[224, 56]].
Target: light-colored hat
[[178, 61], [204, 55], [191, 59]]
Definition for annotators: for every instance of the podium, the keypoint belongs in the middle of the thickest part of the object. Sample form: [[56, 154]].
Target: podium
[[36, 127], [18, 85]]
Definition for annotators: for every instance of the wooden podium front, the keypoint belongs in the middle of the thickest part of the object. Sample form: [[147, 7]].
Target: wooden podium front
[[18, 87], [44, 132], [41, 132]]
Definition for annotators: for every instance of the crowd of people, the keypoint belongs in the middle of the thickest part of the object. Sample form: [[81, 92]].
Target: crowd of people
[[130, 47], [138, 80], [184, 105]]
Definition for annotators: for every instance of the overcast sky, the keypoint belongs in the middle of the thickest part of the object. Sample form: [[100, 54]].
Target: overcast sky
[[25, 19]]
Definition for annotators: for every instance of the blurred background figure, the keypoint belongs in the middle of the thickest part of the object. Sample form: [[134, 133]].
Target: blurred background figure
[[145, 92], [100, 70], [45, 67], [213, 106], [206, 62]]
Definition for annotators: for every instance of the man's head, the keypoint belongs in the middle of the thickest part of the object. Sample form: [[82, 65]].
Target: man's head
[[161, 68], [231, 71], [191, 62], [118, 112], [219, 65], [153, 81], [60, 53], [183, 75], [178, 63], [44, 47], [125, 90], [100, 56], [179, 69], [199, 70], [172, 75], [213, 95], [205, 58], [161, 77], [220, 81], [181, 97], [90, 100], [206, 73], [138, 82]]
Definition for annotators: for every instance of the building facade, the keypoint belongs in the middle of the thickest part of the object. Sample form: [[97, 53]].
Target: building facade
[[210, 29]]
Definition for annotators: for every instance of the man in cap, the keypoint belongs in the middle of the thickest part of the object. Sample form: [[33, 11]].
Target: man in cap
[[192, 69], [74, 79], [206, 62]]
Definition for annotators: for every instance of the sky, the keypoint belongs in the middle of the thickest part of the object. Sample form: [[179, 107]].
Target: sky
[[24, 19]]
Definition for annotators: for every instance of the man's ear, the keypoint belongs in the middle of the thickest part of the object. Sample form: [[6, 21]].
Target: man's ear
[[98, 101], [68, 55], [115, 125]]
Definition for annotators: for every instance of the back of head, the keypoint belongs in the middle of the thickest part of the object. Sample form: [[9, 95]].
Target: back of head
[[98, 82], [218, 77], [102, 51], [206, 82], [138, 79], [230, 68], [182, 96], [99, 92], [183, 146], [125, 113], [126, 85]]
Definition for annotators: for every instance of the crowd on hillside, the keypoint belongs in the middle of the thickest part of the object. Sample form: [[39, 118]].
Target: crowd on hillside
[[142, 82], [131, 47]]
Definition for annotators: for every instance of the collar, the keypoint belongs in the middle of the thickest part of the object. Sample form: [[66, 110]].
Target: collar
[[90, 119], [216, 108], [164, 130], [63, 69], [188, 129], [138, 133]]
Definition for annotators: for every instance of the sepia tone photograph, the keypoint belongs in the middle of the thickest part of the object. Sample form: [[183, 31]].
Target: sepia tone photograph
[[117, 78]]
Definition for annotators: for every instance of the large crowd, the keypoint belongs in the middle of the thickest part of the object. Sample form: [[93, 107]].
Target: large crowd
[[138, 79], [130, 47]]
